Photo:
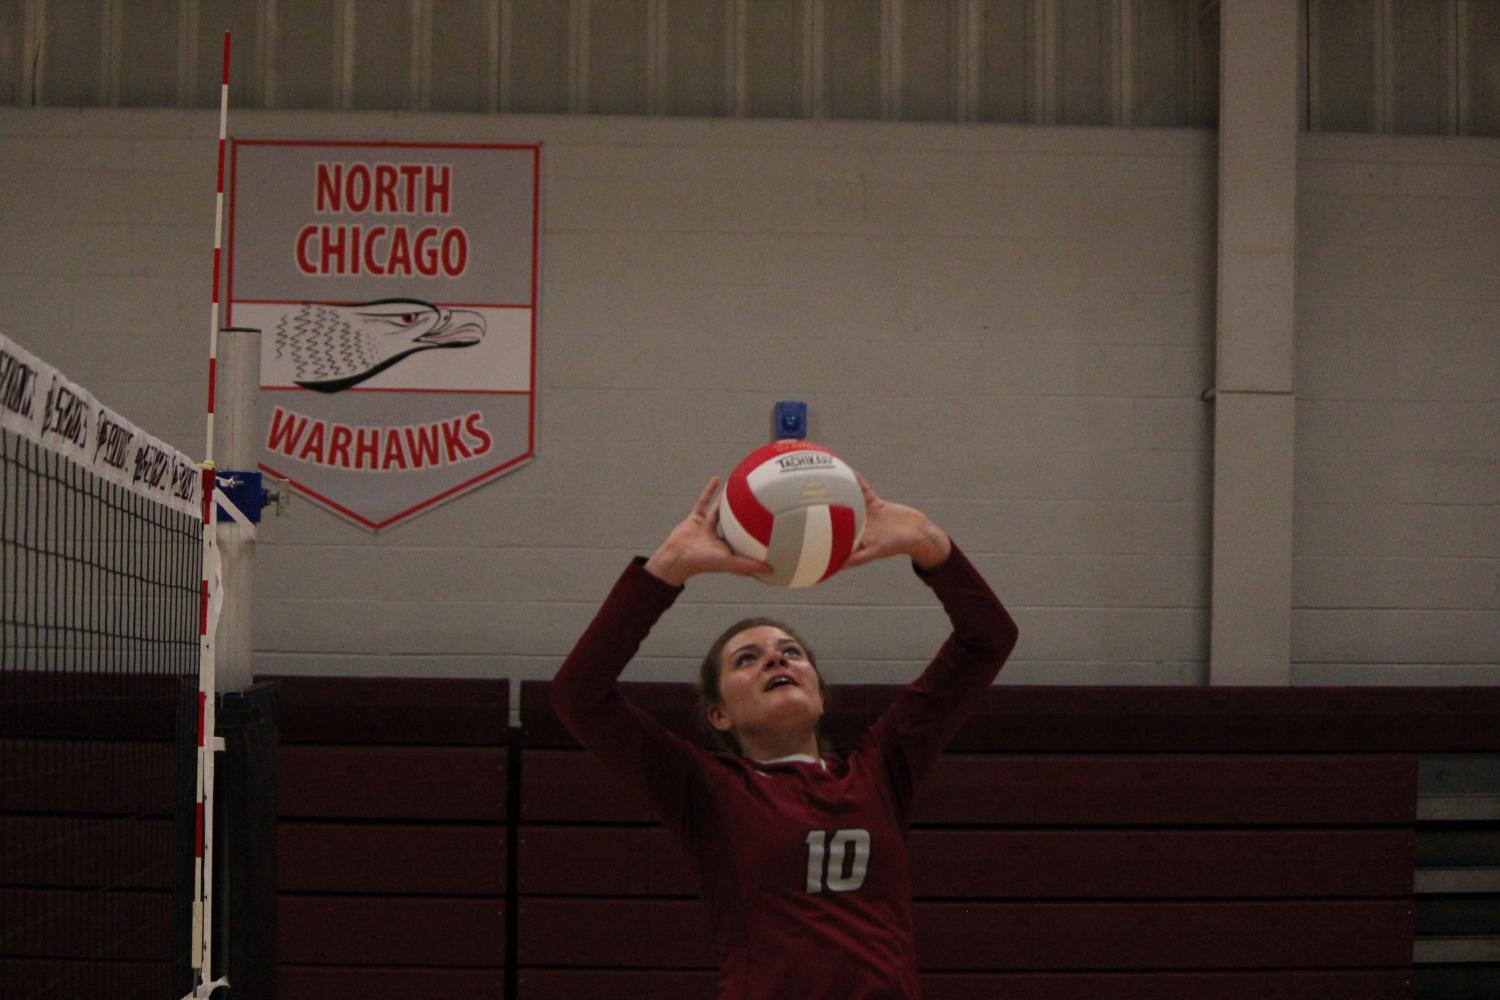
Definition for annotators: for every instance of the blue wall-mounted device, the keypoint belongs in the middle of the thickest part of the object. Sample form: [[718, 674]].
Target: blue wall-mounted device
[[790, 420]]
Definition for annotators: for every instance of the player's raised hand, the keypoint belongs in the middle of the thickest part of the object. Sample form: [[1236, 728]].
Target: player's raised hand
[[893, 529], [694, 546]]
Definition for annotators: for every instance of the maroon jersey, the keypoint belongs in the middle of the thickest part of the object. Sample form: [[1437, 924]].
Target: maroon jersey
[[802, 862]]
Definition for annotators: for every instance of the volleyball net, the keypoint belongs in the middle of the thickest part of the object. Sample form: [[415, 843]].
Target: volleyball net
[[100, 619]]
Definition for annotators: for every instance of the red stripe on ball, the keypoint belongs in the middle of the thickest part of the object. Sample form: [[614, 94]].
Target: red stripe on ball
[[842, 520], [748, 510]]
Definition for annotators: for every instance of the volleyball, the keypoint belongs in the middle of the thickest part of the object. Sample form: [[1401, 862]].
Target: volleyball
[[795, 505]]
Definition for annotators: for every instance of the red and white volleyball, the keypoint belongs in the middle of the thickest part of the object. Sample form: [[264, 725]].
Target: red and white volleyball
[[795, 505]]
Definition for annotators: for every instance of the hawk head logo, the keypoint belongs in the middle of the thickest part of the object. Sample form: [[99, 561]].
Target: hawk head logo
[[332, 348]]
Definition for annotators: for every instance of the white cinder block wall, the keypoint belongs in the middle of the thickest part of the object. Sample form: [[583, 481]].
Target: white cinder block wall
[[1007, 326], [1397, 530]]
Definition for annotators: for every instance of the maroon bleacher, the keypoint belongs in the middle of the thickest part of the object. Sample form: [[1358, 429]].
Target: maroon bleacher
[[88, 781], [1106, 843], [392, 853]]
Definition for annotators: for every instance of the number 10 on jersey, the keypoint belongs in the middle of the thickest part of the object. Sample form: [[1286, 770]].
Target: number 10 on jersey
[[839, 863]]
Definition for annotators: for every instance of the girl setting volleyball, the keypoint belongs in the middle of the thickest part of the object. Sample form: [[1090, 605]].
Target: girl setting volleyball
[[800, 852]]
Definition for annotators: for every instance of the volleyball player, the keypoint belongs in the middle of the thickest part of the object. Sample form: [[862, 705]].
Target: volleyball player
[[801, 855]]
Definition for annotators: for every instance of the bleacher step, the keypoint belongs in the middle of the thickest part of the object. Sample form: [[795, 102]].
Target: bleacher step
[[1457, 880], [1456, 950], [1458, 808]]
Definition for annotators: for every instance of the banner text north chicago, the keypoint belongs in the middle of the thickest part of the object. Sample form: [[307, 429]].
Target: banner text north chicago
[[399, 248]]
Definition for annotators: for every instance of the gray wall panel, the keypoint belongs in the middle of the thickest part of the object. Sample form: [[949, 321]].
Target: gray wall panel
[[382, 64], [307, 58], [1479, 111], [1085, 41], [932, 60], [617, 57], [1010, 55], [1344, 65], [1404, 66], [15, 70], [536, 56], [775, 71], [462, 70], [696, 55], [852, 59], [150, 48], [1398, 414], [73, 68], [1422, 54]]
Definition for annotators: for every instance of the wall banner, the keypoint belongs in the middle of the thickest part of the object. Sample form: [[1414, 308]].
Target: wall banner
[[395, 288]]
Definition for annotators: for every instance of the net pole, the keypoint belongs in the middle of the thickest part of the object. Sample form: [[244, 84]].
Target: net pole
[[236, 447], [207, 743]]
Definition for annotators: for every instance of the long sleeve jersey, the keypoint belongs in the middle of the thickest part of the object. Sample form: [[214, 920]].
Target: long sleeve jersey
[[802, 863]]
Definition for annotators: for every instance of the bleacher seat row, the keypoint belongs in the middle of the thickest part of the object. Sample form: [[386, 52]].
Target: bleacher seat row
[[1107, 843]]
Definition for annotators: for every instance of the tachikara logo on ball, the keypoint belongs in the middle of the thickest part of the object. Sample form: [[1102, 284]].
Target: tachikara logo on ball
[[803, 460], [795, 505], [395, 288]]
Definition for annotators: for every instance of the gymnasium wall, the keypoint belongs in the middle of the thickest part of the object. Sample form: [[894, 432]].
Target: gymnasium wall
[[1396, 571], [1009, 326]]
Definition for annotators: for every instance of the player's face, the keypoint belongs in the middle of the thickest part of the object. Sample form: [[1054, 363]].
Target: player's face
[[768, 684]]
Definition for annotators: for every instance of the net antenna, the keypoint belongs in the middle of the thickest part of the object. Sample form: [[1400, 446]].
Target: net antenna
[[209, 742]]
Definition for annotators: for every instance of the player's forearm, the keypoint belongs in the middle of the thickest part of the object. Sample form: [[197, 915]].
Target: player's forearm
[[929, 711], [585, 683], [980, 622]]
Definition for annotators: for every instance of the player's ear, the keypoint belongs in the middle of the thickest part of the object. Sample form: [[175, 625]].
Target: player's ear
[[718, 718]]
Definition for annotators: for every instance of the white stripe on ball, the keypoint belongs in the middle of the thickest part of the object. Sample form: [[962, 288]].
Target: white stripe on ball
[[817, 547]]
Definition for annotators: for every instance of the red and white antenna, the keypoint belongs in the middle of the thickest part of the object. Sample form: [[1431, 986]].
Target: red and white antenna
[[208, 742]]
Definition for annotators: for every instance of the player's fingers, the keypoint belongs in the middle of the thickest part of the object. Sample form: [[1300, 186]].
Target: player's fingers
[[745, 566], [862, 555], [701, 507]]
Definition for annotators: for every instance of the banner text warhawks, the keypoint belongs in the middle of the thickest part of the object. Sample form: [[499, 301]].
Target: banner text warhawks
[[378, 449]]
